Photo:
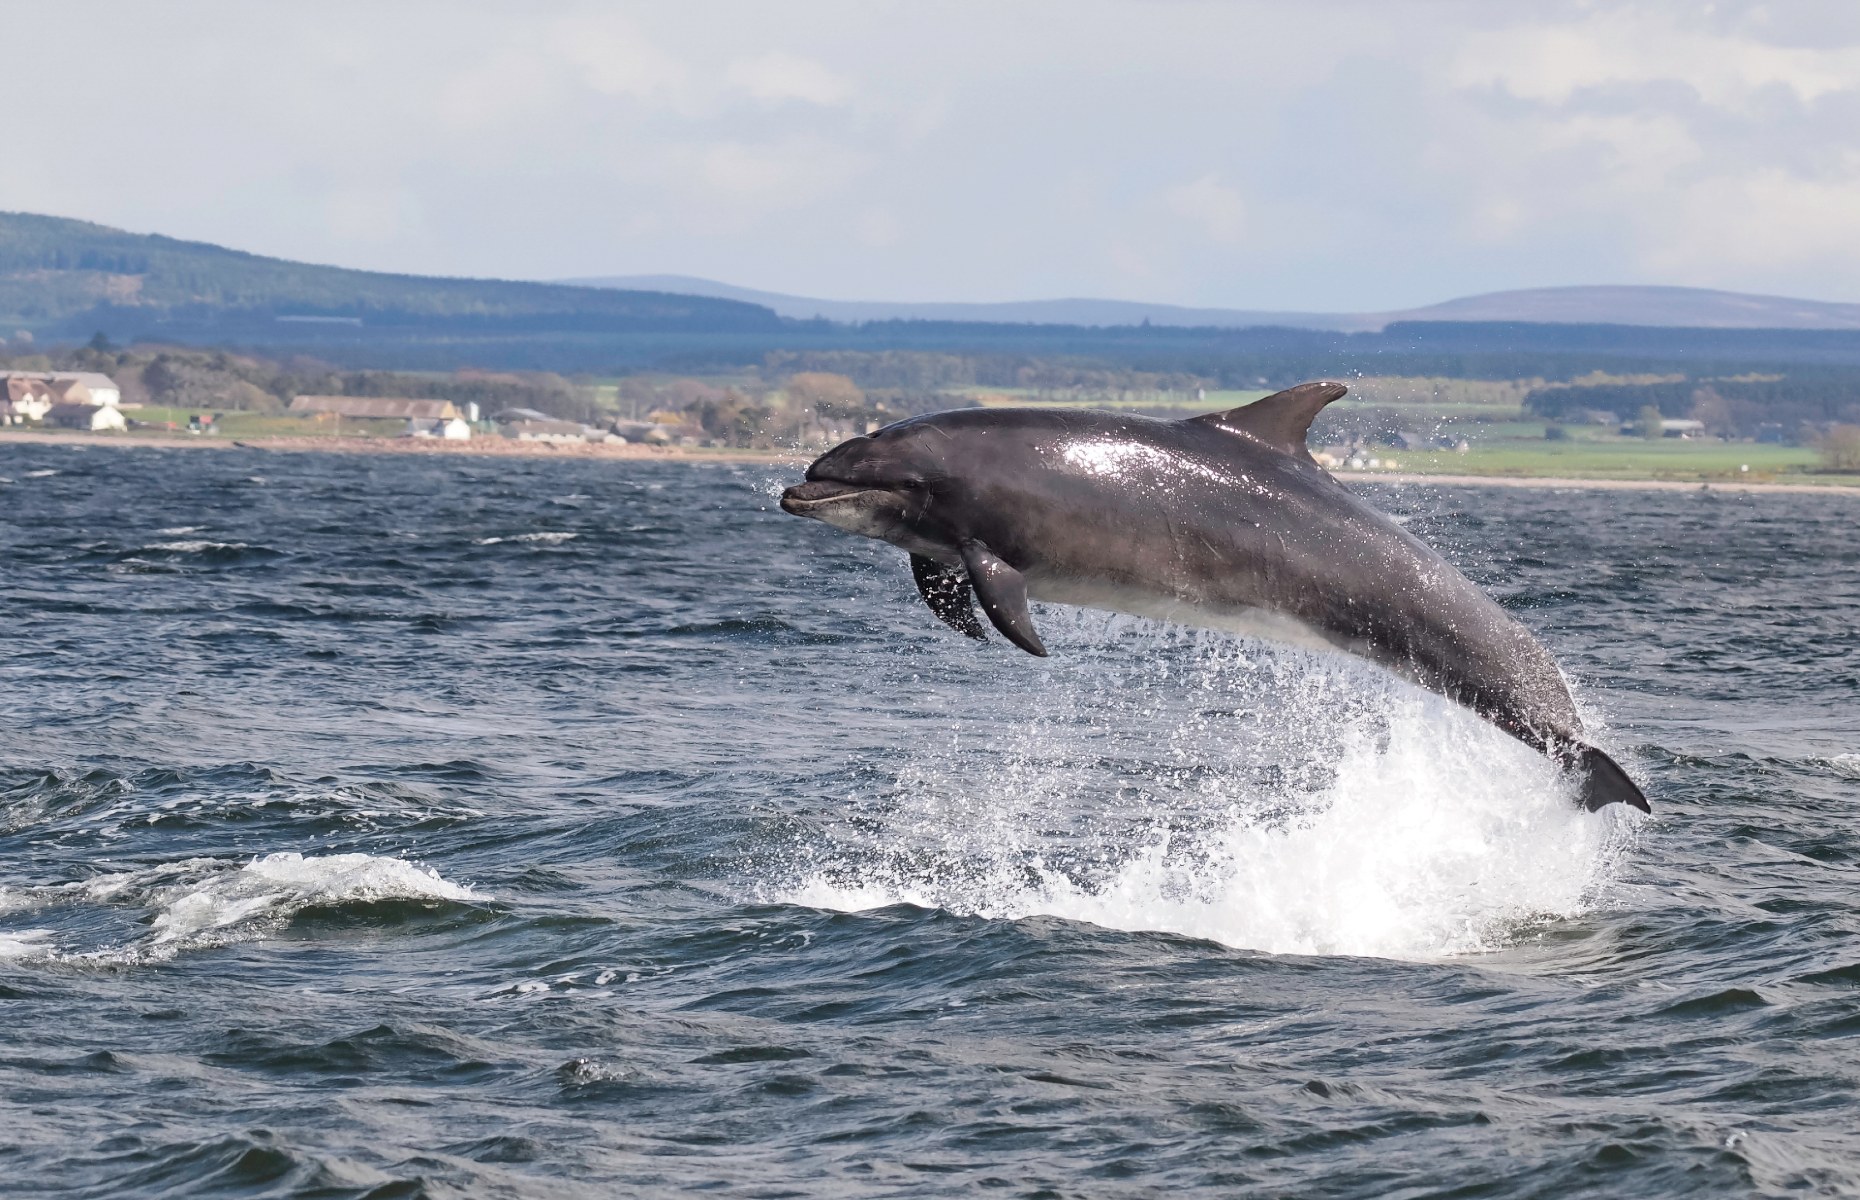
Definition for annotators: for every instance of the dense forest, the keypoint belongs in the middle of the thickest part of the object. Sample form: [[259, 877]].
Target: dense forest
[[1783, 407]]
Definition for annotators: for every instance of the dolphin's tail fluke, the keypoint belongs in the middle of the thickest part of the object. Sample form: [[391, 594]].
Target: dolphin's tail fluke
[[1603, 781]]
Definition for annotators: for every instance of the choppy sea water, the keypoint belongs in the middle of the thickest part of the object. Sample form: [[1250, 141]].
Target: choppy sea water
[[382, 826]]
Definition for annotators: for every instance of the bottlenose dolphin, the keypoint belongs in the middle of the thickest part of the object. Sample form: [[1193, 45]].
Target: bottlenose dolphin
[[1223, 521]]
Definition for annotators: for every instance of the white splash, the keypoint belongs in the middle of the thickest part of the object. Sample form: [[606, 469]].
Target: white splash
[[194, 547], [1337, 814], [21, 944], [266, 891], [1847, 766], [202, 902], [547, 538]]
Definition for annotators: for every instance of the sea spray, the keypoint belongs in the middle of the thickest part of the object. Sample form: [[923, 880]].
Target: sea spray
[[1263, 798]]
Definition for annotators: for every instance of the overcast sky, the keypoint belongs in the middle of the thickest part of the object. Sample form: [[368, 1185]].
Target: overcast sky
[[1313, 154]]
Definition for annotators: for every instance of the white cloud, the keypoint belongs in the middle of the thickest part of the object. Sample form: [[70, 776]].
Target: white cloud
[[615, 59], [878, 228], [1646, 44], [1217, 208], [1768, 222], [777, 175], [1707, 156], [372, 214], [776, 77], [1435, 147]]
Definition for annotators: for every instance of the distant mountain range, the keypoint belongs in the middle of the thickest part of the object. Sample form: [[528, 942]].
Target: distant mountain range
[[61, 281], [1669, 307]]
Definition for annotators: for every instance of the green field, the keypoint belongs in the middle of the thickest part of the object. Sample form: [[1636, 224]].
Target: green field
[[1504, 442], [1627, 458], [252, 424]]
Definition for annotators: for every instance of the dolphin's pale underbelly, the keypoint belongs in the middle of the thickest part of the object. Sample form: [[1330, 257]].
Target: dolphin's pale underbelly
[[1246, 620], [1251, 621]]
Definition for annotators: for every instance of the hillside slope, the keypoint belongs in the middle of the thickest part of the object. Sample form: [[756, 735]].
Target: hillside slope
[[1012, 312], [61, 276], [1658, 307]]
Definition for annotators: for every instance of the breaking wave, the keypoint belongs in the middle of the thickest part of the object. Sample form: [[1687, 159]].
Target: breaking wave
[[25, 944], [201, 903]]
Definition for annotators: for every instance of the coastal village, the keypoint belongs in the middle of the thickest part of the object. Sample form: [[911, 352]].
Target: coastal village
[[1595, 425], [90, 401]]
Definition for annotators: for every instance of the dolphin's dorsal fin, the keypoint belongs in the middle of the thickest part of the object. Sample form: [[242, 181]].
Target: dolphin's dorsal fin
[[1280, 420]]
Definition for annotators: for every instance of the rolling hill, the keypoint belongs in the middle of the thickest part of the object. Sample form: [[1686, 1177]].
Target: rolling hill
[[67, 278], [64, 280], [1662, 307]]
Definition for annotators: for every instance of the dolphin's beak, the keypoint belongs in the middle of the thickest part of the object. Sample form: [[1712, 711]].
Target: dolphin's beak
[[818, 496], [873, 512]]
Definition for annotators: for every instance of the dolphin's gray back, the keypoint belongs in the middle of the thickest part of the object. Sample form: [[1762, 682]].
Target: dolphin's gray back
[[1208, 527]]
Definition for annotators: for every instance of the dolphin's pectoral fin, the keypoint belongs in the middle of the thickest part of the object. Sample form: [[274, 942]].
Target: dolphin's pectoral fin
[[946, 590], [1280, 420], [1601, 778], [1003, 593]]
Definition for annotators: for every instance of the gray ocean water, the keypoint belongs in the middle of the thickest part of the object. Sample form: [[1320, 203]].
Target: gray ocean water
[[389, 827]]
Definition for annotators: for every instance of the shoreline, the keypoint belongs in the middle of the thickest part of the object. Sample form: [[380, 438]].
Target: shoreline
[[485, 447], [1561, 483], [488, 447]]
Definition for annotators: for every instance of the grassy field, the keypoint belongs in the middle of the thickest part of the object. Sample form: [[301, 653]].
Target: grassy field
[[1504, 442], [1501, 442], [1628, 458], [251, 424]]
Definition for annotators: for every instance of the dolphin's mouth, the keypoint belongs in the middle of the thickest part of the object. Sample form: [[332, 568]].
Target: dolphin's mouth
[[816, 497]]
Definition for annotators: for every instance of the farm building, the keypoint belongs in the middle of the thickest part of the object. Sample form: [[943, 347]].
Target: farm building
[[94, 417]]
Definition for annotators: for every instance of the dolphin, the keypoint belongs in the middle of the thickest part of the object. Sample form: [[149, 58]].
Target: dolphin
[[1222, 521]]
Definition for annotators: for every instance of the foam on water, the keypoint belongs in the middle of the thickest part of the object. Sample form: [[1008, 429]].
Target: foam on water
[[1342, 815], [1847, 766], [194, 547], [22, 944], [278, 885], [199, 903], [546, 537]]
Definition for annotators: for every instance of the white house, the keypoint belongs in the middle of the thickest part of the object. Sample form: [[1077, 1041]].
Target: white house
[[26, 399], [100, 387], [452, 429], [94, 417], [72, 387]]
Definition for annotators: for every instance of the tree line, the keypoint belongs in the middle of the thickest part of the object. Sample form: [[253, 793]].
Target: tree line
[[1796, 406]]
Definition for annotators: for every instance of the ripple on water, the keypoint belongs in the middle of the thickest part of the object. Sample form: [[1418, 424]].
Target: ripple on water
[[795, 891]]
